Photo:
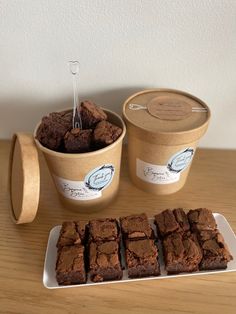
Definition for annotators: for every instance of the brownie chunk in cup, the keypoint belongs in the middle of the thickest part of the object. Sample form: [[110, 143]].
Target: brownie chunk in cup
[[72, 232], [70, 265], [105, 134], [104, 261], [91, 114], [201, 219], [216, 254], [78, 141], [142, 258], [136, 227], [52, 129], [182, 253], [101, 230]]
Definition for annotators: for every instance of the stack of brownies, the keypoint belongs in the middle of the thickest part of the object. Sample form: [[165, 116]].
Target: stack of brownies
[[140, 250], [214, 249], [70, 268], [181, 250], [190, 242], [104, 250], [56, 133]]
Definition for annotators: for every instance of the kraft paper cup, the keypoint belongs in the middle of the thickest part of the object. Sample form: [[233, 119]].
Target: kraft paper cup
[[87, 181], [163, 128]]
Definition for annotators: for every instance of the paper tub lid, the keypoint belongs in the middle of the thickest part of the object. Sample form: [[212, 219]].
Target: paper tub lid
[[24, 178]]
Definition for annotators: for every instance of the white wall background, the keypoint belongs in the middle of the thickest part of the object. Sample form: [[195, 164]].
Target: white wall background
[[123, 46]]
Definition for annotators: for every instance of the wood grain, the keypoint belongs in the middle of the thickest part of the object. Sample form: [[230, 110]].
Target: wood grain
[[212, 183]]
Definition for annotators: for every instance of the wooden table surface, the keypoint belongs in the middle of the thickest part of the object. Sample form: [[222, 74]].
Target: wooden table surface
[[212, 184]]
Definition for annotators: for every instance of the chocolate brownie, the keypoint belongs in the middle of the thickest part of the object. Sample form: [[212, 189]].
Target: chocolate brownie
[[72, 232], [216, 254], [182, 219], [104, 261], [182, 253], [166, 223], [52, 129], [91, 114], [201, 219], [136, 227], [142, 258], [106, 229], [105, 134], [171, 221], [205, 235], [63, 117], [70, 265], [78, 141]]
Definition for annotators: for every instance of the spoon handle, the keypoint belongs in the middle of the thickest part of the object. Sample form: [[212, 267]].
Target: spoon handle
[[74, 69]]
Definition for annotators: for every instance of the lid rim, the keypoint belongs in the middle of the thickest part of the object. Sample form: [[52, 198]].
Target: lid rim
[[28, 210], [166, 132], [149, 137]]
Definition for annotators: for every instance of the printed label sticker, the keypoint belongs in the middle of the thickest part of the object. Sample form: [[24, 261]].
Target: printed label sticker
[[91, 188], [156, 174], [75, 190]]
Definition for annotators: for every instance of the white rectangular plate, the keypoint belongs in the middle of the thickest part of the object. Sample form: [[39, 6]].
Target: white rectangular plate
[[49, 274]]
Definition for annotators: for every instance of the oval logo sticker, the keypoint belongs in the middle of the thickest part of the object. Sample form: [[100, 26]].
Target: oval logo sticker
[[100, 177], [180, 160]]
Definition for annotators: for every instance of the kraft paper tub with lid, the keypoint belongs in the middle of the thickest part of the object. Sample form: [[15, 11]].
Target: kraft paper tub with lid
[[85, 182], [163, 128]]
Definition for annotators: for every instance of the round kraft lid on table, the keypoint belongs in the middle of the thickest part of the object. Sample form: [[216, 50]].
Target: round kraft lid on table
[[24, 178]]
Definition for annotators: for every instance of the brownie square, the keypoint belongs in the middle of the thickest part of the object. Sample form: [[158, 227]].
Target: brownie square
[[170, 221], [166, 223], [101, 230], [72, 232], [78, 141], [142, 258], [104, 261], [182, 253], [216, 254], [70, 265], [181, 219], [201, 219], [63, 117], [205, 235], [136, 227], [52, 130], [105, 134], [91, 114]]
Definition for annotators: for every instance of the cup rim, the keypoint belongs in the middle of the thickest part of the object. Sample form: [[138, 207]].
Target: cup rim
[[82, 155]]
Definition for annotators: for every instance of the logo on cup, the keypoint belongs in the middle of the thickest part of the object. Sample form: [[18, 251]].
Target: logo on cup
[[181, 160], [99, 178]]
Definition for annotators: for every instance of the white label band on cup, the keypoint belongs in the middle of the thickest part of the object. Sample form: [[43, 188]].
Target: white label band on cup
[[94, 182], [75, 190], [156, 174]]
